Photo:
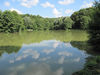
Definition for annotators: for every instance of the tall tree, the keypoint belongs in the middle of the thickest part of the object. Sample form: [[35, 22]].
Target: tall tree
[[28, 22], [68, 22], [82, 18], [63, 23], [18, 21], [94, 28], [1, 21]]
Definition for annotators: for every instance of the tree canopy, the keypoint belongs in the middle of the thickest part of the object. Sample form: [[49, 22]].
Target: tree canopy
[[82, 18]]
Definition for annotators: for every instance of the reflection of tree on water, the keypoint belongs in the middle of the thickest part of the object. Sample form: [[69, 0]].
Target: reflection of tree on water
[[13, 42], [95, 40], [94, 28], [92, 46], [92, 66], [9, 49], [86, 47]]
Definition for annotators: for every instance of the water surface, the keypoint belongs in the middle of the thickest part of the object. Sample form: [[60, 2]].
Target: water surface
[[42, 53]]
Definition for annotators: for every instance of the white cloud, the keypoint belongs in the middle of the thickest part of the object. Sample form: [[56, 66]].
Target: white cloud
[[7, 4], [57, 13], [87, 5], [47, 4], [13, 9], [29, 3], [69, 11], [66, 2]]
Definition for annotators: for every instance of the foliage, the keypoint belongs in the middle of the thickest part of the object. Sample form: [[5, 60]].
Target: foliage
[[94, 28], [92, 66], [63, 23], [82, 18], [84, 21], [0, 20], [11, 22], [28, 22]]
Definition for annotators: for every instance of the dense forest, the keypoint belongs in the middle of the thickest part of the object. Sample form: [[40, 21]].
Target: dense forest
[[11, 21]]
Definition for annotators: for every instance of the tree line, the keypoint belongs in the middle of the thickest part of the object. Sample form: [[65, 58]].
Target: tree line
[[11, 21]]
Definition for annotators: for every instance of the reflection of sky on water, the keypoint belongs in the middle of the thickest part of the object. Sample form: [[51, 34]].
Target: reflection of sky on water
[[45, 58], [34, 69]]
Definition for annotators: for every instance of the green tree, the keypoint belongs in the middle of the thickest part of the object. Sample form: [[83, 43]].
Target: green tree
[[18, 21], [58, 24], [63, 23], [0, 20], [11, 22], [85, 21], [82, 18], [28, 22], [68, 22], [94, 28], [8, 22]]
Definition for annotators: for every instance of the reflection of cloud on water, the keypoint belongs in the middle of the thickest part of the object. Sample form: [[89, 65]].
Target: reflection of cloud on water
[[11, 61], [45, 58], [68, 45], [35, 55], [45, 43], [48, 51], [31, 52], [61, 60], [19, 58], [41, 44], [59, 72], [64, 53], [34, 69], [72, 60], [14, 70], [77, 59], [55, 45], [25, 54]]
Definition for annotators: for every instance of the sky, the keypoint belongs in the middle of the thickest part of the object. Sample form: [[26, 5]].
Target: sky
[[45, 8]]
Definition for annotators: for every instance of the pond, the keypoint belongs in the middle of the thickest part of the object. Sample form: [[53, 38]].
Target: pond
[[42, 52]]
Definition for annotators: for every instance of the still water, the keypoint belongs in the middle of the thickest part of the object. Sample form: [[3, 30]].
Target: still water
[[42, 53]]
